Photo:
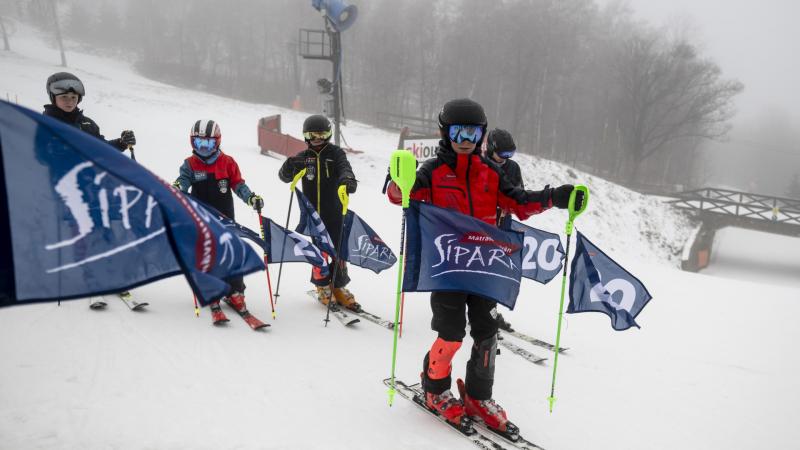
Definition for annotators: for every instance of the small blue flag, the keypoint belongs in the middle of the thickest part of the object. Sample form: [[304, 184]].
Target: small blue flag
[[450, 251], [543, 255], [598, 283], [312, 226], [363, 247], [85, 220]]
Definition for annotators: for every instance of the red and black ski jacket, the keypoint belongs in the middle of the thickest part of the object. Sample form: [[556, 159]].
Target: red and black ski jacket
[[472, 185], [213, 182]]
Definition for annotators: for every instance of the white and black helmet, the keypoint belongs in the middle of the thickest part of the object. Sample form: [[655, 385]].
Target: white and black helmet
[[205, 138], [62, 83]]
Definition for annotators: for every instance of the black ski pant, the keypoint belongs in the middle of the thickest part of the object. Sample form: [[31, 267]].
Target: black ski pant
[[450, 313]]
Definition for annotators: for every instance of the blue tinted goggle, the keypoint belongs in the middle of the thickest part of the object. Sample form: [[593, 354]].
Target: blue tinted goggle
[[461, 133], [204, 144], [506, 154]]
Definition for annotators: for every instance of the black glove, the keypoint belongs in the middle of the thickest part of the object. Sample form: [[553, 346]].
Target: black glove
[[127, 138], [350, 184], [560, 196], [256, 201]]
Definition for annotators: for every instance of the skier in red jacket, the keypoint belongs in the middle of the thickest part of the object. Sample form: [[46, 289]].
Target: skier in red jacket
[[212, 176], [461, 179]]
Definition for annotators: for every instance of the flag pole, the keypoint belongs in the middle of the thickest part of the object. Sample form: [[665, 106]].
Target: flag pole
[[573, 214], [288, 214], [403, 170]]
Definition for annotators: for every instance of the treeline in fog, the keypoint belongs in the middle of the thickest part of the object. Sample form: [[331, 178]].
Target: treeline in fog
[[572, 81]]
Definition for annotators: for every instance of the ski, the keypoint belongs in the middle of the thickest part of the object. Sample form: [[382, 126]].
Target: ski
[[465, 429], [522, 352], [341, 314], [534, 341], [250, 319], [373, 318], [132, 304], [506, 327], [97, 303]]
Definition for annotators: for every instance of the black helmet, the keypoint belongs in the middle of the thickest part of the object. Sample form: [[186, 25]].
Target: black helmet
[[462, 111], [62, 83], [499, 140], [316, 122]]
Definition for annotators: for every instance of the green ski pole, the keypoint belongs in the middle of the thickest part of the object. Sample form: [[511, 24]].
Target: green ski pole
[[573, 214], [403, 170]]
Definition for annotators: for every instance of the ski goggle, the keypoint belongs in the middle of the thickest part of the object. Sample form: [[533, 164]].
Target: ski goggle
[[64, 86], [461, 133], [317, 135], [506, 154], [204, 145]]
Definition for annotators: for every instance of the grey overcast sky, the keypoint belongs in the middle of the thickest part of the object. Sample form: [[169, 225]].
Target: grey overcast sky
[[755, 41]]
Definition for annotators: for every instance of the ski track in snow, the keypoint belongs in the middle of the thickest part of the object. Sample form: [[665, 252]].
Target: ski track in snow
[[714, 365]]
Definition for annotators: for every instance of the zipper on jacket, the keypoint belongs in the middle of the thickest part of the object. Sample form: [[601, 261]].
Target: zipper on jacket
[[319, 189], [469, 195]]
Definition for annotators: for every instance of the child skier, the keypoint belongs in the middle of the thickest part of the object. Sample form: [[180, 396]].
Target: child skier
[[66, 91], [211, 176], [461, 179], [327, 169]]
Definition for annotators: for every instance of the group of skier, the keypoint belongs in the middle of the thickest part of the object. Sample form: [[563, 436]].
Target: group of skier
[[488, 187]]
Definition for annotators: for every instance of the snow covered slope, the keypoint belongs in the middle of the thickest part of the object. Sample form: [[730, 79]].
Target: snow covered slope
[[712, 366]]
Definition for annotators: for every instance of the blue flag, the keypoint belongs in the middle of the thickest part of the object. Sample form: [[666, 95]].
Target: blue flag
[[450, 251], [598, 283], [543, 255], [83, 219], [281, 245], [363, 247], [311, 225]]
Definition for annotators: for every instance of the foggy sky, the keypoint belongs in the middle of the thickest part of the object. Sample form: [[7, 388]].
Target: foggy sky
[[756, 42]]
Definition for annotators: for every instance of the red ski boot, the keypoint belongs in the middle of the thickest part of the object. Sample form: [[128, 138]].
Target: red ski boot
[[236, 301], [488, 412], [446, 406], [217, 316]]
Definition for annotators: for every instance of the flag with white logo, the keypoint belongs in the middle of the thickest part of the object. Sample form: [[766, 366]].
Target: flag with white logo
[[542, 255], [599, 284], [450, 251], [363, 247], [311, 225], [82, 219]]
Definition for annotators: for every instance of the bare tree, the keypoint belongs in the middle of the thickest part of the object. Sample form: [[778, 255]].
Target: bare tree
[[669, 93]]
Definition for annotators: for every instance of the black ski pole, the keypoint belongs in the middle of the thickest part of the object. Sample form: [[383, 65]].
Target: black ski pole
[[283, 247], [344, 199]]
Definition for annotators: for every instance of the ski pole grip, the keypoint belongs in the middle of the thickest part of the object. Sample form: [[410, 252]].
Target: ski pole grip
[[344, 198], [573, 213], [297, 178], [403, 170]]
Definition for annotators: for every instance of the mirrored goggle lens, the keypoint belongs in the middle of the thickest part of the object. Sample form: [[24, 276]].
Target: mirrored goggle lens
[[313, 135], [461, 133], [201, 143], [505, 154], [65, 86]]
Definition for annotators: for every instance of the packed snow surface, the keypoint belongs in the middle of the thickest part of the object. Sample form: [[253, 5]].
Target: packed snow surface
[[711, 367]]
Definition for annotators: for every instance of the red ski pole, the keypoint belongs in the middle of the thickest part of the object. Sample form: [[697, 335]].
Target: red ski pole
[[266, 264]]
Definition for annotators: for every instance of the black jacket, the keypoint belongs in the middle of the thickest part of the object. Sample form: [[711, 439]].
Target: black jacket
[[81, 122], [511, 171], [325, 172]]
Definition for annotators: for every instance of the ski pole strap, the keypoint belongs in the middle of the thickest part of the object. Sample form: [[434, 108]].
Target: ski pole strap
[[297, 178], [573, 213], [344, 198], [403, 170]]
